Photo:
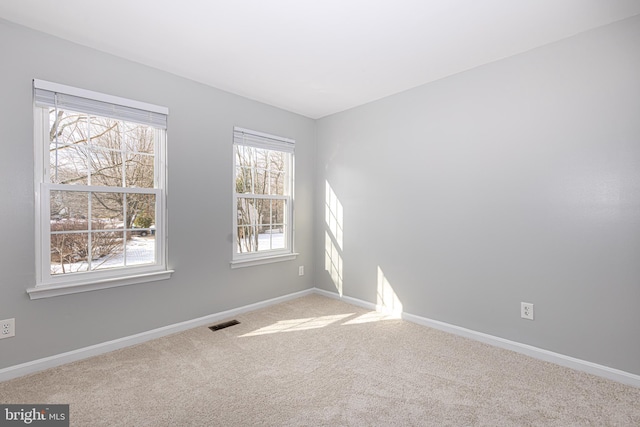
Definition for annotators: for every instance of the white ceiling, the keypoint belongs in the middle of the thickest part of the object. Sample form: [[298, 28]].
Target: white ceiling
[[315, 57]]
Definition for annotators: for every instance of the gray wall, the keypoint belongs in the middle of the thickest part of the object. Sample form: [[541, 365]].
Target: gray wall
[[199, 198], [515, 181]]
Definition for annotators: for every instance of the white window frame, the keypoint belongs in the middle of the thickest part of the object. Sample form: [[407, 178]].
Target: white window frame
[[48, 285], [242, 136]]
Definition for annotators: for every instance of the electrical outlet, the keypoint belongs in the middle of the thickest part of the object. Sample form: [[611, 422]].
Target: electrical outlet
[[7, 328], [301, 270], [526, 310]]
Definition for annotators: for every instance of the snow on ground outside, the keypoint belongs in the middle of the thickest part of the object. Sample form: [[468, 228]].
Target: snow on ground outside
[[141, 250]]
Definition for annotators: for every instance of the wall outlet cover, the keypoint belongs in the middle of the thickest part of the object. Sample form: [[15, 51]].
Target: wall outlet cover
[[7, 328], [526, 310]]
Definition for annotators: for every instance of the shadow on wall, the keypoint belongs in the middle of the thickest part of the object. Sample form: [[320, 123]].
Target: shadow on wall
[[333, 237]]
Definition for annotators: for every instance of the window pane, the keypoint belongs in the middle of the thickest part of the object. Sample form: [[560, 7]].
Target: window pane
[[106, 151], [277, 211], [244, 239], [262, 158], [248, 219], [67, 148], [141, 248], [106, 167], [107, 211], [139, 171], [264, 241], [276, 182], [260, 171], [277, 161], [68, 165], [241, 155], [271, 238], [139, 138], [245, 156], [67, 128], [261, 224], [107, 250], [69, 210], [105, 133], [247, 212], [69, 252], [261, 181], [141, 212], [243, 180]]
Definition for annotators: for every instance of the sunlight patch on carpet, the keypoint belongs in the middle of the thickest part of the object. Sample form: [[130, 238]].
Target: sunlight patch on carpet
[[293, 325], [373, 316]]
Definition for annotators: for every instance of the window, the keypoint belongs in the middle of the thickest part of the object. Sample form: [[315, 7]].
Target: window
[[263, 202], [100, 190]]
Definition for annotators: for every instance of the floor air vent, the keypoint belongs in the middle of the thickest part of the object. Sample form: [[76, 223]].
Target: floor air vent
[[224, 325]]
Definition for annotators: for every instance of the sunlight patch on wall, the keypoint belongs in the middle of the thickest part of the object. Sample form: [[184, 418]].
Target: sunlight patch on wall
[[333, 237], [333, 262], [293, 325], [334, 215], [387, 300]]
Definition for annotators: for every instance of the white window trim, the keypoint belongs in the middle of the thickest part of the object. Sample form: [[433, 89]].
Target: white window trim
[[239, 260], [38, 292], [264, 260], [48, 286]]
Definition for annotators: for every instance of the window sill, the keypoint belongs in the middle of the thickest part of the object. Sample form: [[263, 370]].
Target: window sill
[[264, 260], [48, 291]]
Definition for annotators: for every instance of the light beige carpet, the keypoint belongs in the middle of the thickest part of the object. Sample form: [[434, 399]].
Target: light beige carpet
[[316, 361]]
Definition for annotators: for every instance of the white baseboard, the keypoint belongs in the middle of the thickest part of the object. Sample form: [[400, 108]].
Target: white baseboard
[[538, 353], [535, 352], [350, 300], [105, 347]]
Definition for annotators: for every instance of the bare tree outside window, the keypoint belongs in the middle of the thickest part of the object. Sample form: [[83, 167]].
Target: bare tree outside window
[[261, 176], [100, 155]]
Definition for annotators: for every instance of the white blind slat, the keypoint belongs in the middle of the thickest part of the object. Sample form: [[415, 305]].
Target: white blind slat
[[48, 98], [262, 140]]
